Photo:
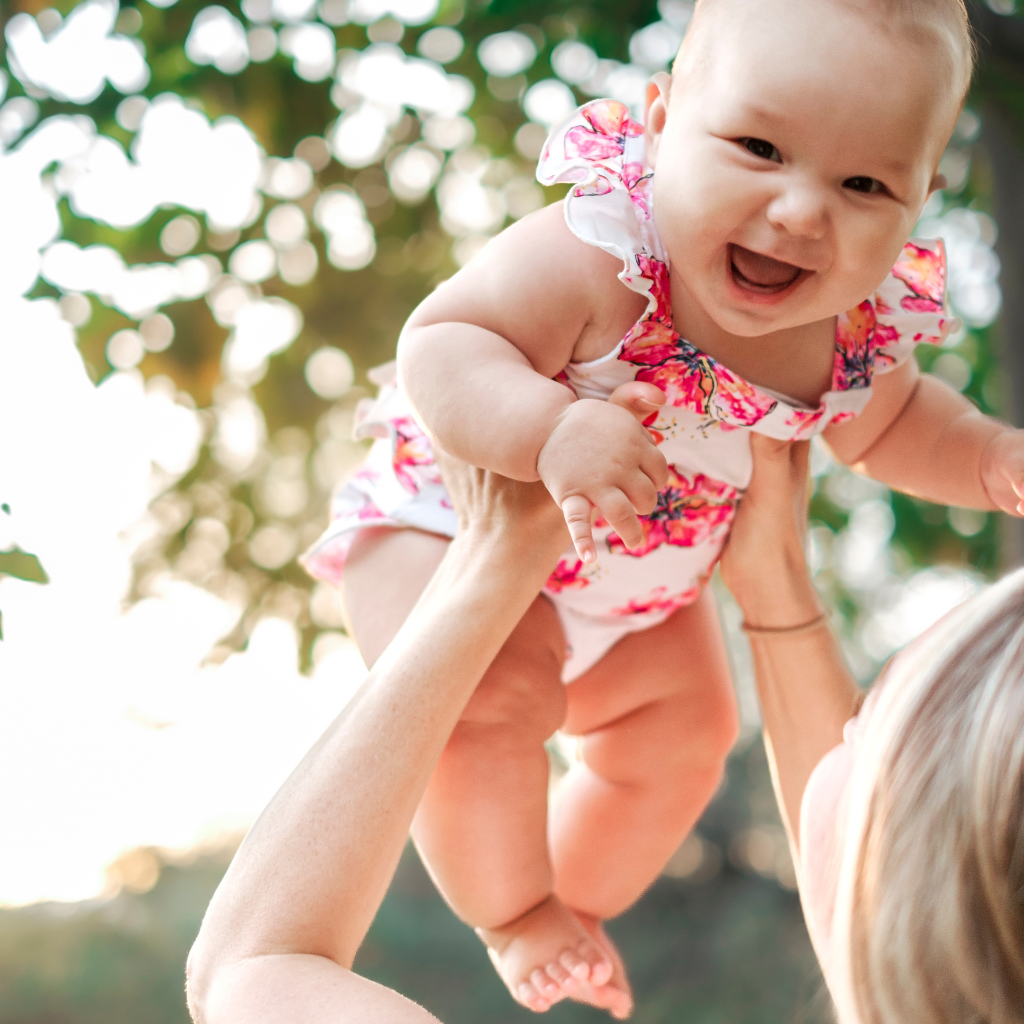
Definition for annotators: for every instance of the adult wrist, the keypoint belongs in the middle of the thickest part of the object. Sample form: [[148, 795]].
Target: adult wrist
[[780, 593], [781, 611], [504, 548]]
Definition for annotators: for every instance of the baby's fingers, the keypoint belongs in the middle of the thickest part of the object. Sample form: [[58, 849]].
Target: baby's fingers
[[654, 465], [639, 398], [622, 518], [578, 512]]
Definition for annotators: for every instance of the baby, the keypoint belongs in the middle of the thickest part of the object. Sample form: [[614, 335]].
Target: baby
[[738, 262]]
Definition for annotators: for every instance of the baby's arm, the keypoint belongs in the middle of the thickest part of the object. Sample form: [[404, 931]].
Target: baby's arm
[[923, 438], [476, 360]]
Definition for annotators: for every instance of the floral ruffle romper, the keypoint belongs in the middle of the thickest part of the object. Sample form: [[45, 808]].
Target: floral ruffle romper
[[702, 429]]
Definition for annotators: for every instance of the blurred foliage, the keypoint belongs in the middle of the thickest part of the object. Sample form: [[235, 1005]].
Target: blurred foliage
[[19, 564], [362, 311]]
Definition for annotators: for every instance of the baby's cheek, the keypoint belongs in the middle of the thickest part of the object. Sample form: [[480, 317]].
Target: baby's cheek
[[862, 261]]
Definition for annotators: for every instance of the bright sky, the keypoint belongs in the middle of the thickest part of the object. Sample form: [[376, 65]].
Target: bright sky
[[111, 735]]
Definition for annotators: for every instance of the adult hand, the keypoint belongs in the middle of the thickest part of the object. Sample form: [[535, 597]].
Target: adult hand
[[494, 504], [763, 562]]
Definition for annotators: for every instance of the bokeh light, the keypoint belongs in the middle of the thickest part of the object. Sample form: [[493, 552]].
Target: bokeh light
[[329, 372], [506, 53], [76, 61]]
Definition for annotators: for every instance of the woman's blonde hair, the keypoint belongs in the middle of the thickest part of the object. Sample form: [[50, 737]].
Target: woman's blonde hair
[[934, 889]]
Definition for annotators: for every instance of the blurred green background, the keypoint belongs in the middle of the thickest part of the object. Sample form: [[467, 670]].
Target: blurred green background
[[720, 938]]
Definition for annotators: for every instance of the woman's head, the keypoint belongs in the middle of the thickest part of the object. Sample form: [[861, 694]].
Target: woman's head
[[794, 147], [927, 924]]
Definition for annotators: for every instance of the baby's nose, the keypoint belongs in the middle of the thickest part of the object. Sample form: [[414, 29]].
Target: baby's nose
[[801, 210]]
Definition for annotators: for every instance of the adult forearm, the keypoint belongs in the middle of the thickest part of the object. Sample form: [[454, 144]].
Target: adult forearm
[[807, 694], [313, 870], [479, 397], [933, 450]]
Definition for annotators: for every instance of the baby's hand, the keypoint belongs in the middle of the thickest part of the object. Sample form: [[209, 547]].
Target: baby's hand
[[1002, 471], [599, 457]]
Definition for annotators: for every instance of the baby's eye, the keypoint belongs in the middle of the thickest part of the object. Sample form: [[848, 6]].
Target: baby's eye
[[765, 150], [862, 183]]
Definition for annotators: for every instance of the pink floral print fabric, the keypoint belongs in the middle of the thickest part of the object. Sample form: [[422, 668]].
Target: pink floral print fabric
[[688, 513]]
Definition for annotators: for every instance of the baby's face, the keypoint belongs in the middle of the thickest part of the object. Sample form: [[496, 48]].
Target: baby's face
[[793, 155]]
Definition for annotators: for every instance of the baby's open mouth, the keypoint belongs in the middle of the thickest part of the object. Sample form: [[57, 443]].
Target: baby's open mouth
[[760, 273]]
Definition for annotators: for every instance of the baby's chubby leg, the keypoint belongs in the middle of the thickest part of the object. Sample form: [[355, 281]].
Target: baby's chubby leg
[[481, 827], [657, 717]]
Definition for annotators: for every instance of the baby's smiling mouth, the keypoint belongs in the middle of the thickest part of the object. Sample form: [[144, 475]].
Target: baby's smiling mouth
[[759, 273]]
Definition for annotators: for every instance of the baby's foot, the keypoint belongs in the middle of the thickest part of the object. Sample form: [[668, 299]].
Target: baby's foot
[[546, 955], [615, 996]]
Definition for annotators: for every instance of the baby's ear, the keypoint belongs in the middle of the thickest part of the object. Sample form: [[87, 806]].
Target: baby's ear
[[939, 181], [659, 93]]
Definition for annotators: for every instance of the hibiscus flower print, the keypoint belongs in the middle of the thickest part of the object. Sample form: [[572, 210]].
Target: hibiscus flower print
[[652, 339], [805, 420], [656, 271], [649, 343], [658, 600], [605, 139], [370, 512], [567, 575], [688, 513], [638, 184], [695, 381], [923, 271], [412, 450], [601, 142], [855, 351], [609, 124]]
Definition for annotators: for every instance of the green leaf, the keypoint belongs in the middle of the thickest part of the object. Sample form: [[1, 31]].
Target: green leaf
[[22, 566]]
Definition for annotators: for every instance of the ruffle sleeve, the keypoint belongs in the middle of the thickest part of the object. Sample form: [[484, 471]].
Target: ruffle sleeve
[[912, 304], [399, 484], [600, 150]]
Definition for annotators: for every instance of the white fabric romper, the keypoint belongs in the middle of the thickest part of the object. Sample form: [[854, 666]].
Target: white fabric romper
[[702, 429]]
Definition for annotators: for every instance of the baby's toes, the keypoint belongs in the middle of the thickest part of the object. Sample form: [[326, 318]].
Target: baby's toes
[[599, 966], [575, 964], [557, 973], [532, 999], [549, 989]]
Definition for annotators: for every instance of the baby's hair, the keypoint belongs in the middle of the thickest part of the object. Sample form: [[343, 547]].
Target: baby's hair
[[948, 15]]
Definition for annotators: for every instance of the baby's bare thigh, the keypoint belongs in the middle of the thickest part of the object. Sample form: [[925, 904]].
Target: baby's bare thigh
[[523, 690], [681, 662], [385, 572]]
